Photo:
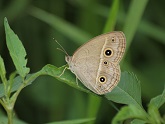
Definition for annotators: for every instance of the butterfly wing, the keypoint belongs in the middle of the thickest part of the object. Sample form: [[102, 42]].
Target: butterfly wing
[[96, 63]]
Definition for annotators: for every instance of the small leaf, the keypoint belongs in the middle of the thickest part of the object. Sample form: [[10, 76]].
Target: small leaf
[[155, 117], [138, 121], [11, 79], [129, 112], [16, 84], [158, 101], [2, 71], [128, 91], [2, 68], [2, 91], [76, 121], [16, 49], [3, 76]]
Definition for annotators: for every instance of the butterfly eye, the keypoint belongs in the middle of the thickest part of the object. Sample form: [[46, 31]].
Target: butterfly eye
[[102, 79], [108, 52]]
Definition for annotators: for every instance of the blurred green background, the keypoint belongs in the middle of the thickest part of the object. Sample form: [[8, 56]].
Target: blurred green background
[[72, 23]]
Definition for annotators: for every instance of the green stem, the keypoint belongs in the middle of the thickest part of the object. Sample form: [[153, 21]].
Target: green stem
[[24, 83], [10, 115], [132, 20], [8, 104], [8, 108], [111, 21], [3, 104]]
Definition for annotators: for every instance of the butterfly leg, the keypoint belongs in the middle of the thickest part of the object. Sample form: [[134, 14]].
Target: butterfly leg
[[77, 81], [62, 71]]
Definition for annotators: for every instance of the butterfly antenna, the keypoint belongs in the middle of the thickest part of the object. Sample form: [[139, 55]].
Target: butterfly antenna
[[62, 48]]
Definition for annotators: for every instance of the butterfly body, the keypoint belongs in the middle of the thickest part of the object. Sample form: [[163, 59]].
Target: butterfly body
[[96, 63]]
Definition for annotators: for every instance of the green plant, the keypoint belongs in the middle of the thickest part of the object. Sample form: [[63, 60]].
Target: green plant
[[21, 78], [75, 22], [127, 92]]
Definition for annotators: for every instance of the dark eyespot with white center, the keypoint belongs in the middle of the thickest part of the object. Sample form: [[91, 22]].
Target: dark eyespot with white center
[[102, 79], [108, 52]]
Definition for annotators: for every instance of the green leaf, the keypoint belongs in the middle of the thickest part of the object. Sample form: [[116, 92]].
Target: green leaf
[[129, 112], [155, 117], [17, 82], [153, 107], [64, 75], [2, 91], [128, 91], [11, 80], [51, 70], [2, 68], [138, 121], [3, 71], [3, 76], [158, 101], [76, 121], [17, 51]]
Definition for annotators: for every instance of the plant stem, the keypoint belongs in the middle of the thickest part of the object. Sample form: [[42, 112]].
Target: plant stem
[[10, 115], [7, 105]]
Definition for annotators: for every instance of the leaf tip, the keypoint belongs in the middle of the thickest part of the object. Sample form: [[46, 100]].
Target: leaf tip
[[6, 24], [5, 21]]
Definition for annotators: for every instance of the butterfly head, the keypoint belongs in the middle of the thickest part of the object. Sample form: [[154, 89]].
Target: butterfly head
[[68, 59]]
